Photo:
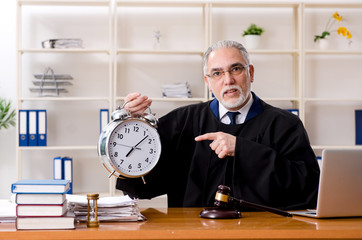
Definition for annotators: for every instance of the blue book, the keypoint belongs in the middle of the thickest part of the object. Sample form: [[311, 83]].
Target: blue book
[[358, 114], [40, 186], [42, 127], [32, 129], [23, 128], [68, 172]]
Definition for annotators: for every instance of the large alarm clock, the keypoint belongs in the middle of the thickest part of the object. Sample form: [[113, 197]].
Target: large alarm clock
[[130, 147]]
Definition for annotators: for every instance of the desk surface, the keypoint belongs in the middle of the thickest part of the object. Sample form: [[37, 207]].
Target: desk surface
[[185, 223]]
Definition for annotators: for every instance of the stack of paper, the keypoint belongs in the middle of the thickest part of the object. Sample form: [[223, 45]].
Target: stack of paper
[[178, 90], [62, 43], [110, 209], [41, 204], [7, 211]]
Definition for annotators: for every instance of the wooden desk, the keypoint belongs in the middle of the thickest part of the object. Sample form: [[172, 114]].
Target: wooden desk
[[186, 224]]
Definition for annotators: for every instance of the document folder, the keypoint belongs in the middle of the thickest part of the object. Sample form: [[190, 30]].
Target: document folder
[[58, 168], [42, 127], [68, 172], [104, 118], [33, 139], [23, 128]]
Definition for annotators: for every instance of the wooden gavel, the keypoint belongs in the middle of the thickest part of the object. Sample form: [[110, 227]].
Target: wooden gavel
[[223, 200]]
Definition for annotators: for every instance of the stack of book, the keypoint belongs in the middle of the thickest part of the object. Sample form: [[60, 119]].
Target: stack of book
[[41, 204], [178, 90]]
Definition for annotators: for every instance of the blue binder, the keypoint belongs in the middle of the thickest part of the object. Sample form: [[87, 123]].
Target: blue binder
[[42, 127], [295, 111], [68, 172], [103, 119], [358, 114], [32, 129], [58, 168], [23, 128]]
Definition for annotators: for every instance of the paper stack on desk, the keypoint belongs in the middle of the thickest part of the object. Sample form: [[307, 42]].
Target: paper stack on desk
[[110, 209]]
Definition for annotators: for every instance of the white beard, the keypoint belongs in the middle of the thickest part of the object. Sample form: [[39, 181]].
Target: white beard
[[234, 103]]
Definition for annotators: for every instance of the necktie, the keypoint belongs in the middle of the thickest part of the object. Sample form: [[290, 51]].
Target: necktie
[[232, 116]]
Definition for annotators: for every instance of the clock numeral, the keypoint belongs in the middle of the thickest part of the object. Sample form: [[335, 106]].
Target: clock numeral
[[152, 151], [136, 129], [114, 144], [115, 154], [127, 130], [119, 135], [130, 166], [144, 133], [149, 141], [139, 165], [147, 160]]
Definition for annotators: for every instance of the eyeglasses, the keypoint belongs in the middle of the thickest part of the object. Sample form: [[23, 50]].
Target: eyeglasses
[[234, 71]]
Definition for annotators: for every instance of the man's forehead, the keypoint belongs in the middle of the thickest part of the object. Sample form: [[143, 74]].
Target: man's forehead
[[225, 57]]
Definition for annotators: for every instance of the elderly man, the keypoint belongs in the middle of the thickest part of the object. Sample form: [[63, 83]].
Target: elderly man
[[261, 152]]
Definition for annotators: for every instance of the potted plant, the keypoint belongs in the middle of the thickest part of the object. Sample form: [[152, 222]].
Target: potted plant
[[252, 36], [322, 39], [7, 115]]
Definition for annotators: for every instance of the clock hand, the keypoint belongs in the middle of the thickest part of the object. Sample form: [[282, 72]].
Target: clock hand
[[133, 148], [128, 146]]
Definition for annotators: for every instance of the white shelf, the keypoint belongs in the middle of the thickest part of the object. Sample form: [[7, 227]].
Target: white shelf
[[149, 51], [333, 52], [333, 99], [65, 2], [64, 50], [52, 148], [65, 99]]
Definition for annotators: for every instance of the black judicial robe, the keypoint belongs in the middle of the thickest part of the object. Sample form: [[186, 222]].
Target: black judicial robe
[[273, 165]]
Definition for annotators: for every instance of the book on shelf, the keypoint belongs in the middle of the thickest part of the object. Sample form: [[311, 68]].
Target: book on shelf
[[358, 116], [40, 186], [32, 223], [41, 210], [40, 198], [63, 43]]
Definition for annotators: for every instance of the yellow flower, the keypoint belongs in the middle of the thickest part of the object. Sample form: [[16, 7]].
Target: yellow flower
[[349, 35], [342, 30], [337, 16]]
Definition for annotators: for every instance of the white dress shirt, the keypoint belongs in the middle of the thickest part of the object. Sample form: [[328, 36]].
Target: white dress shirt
[[240, 118]]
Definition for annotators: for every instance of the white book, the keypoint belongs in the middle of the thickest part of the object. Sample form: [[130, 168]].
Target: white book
[[27, 223], [39, 198], [41, 210]]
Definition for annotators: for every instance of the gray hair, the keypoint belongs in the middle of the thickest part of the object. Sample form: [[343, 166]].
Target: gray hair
[[225, 44]]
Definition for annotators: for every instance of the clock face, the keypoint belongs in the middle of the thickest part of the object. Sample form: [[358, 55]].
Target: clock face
[[134, 148]]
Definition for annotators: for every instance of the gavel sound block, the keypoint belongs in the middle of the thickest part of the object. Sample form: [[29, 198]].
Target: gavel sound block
[[229, 207]]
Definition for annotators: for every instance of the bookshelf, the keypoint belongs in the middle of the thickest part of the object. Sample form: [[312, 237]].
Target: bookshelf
[[119, 56]]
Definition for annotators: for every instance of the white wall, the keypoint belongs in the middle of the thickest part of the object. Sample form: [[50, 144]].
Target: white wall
[[7, 90]]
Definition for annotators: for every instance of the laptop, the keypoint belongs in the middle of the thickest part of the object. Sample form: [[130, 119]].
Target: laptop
[[340, 185]]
